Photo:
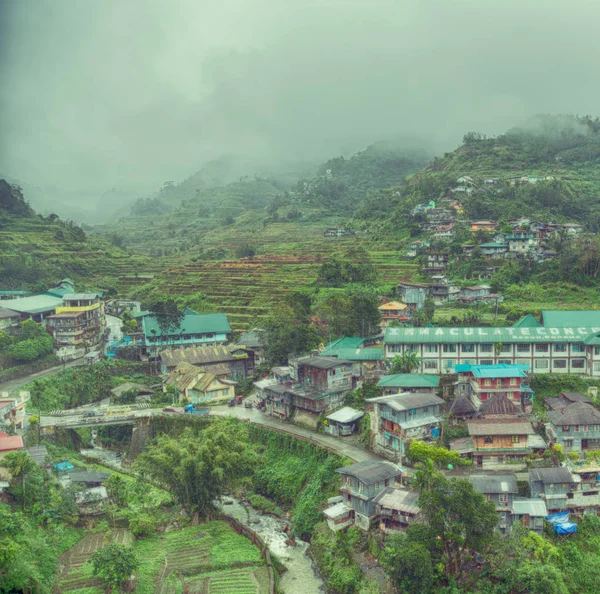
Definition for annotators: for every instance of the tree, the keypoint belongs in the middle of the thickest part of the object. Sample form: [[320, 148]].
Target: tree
[[405, 363], [408, 565], [114, 565], [460, 519], [20, 465], [197, 470], [167, 314], [419, 451]]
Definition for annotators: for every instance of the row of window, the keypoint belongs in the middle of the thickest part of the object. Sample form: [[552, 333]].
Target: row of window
[[559, 347], [584, 428], [431, 364]]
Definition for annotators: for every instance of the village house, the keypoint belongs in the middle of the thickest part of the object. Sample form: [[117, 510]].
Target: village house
[[488, 226], [218, 360], [442, 290], [343, 421], [77, 324], [397, 509], [553, 486], [412, 294], [193, 330], [421, 383], [499, 407], [196, 386], [8, 444], [8, 318], [444, 232], [565, 348], [478, 293], [398, 419], [12, 408], [394, 311], [575, 426], [39, 307], [254, 340], [117, 307], [461, 408], [9, 294], [437, 263], [522, 243], [493, 249], [503, 491], [362, 483], [278, 400], [585, 495], [423, 208], [440, 216], [367, 362], [93, 493], [492, 442], [415, 247], [486, 380]]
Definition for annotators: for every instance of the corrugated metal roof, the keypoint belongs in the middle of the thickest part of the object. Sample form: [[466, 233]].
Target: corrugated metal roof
[[577, 413], [362, 354], [332, 348], [576, 397], [551, 476], [494, 483], [487, 335], [399, 499], [346, 415], [499, 404], [372, 471], [461, 405], [592, 339], [530, 507], [35, 304], [191, 323], [409, 380], [499, 427], [79, 296], [8, 313], [197, 356], [527, 322], [339, 510], [407, 401], [323, 362], [553, 318], [498, 370]]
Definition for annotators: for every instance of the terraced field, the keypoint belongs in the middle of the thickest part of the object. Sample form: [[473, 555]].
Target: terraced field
[[76, 571]]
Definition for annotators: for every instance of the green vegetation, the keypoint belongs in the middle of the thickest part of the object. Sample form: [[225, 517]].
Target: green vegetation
[[114, 564]]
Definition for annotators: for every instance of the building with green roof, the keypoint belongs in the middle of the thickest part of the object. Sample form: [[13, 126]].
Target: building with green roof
[[528, 321], [409, 382], [564, 319]]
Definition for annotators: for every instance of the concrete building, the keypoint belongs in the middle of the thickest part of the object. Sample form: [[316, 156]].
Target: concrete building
[[395, 420], [8, 318], [12, 408], [413, 295], [566, 349], [575, 426]]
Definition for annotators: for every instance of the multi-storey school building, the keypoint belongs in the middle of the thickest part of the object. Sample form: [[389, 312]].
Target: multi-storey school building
[[545, 349]]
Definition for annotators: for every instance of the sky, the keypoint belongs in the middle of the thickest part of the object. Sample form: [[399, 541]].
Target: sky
[[132, 93]]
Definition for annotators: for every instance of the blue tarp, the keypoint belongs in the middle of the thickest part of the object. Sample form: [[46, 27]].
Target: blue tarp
[[565, 528], [435, 432], [558, 518], [63, 466]]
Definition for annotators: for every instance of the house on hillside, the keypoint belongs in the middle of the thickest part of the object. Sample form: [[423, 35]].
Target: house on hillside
[[488, 226], [492, 442], [575, 426], [218, 360], [494, 249], [499, 407], [442, 290], [394, 311], [8, 318], [254, 340], [12, 408], [196, 386], [522, 243], [362, 483], [412, 294], [397, 509], [461, 408], [367, 362], [343, 422], [437, 262], [8, 444], [395, 420]]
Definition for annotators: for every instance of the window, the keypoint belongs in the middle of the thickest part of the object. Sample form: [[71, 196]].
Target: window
[[522, 362], [505, 361], [566, 428], [332, 372], [467, 348], [515, 439], [578, 363], [503, 498], [597, 366], [449, 348], [542, 364], [486, 362], [597, 350], [541, 348], [411, 348], [431, 348], [210, 335], [489, 439], [523, 348], [560, 347], [585, 428], [578, 347], [449, 363], [426, 409], [576, 428], [430, 364], [485, 347], [343, 369], [506, 348], [487, 383], [559, 363], [345, 381]]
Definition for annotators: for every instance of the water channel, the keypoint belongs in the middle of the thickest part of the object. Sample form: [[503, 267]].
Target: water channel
[[301, 576]]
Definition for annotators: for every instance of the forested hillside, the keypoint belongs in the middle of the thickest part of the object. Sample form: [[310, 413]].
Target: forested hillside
[[37, 251]]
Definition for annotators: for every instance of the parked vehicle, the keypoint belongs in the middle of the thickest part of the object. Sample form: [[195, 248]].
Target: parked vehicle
[[194, 409], [231, 402], [238, 400], [247, 404], [169, 409], [91, 413]]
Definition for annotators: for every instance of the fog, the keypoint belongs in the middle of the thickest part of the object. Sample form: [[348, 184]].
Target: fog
[[129, 94]]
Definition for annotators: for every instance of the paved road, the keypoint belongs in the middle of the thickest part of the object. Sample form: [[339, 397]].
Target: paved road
[[13, 385], [114, 325]]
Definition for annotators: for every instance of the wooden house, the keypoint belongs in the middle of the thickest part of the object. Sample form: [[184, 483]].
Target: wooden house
[[397, 509]]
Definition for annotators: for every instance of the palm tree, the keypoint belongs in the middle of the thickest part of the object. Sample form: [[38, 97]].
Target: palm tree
[[425, 475], [406, 362]]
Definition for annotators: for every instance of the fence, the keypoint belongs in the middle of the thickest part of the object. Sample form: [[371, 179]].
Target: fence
[[257, 541]]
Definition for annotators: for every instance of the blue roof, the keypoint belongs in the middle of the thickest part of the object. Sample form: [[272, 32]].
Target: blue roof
[[499, 370]]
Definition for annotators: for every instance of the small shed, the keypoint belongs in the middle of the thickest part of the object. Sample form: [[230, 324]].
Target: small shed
[[92, 357], [343, 421], [90, 479]]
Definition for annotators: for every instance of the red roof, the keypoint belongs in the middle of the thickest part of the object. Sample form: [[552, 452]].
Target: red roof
[[12, 442]]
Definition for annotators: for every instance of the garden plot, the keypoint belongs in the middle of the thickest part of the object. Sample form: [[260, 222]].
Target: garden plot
[[76, 572], [235, 581]]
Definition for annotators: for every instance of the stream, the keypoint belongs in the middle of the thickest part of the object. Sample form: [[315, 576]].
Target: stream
[[301, 576]]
